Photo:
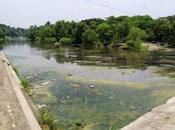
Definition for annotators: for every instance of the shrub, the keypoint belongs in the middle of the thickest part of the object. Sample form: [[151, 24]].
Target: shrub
[[134, 44], [65, 41], [49, 40]]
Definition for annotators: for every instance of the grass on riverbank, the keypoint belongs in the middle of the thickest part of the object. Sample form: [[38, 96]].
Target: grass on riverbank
[[16, 70], [47, 120], [26, 86]]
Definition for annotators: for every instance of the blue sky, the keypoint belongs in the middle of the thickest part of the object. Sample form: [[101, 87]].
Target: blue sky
[[23, 13]]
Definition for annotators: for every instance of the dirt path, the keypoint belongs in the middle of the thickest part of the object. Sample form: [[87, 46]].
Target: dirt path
[[13, 106]]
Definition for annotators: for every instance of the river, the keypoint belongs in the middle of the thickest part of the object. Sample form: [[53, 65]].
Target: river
[[94, 89]]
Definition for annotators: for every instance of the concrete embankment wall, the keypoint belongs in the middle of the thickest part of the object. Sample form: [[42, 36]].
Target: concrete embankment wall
[[160, 118], [21, 101]]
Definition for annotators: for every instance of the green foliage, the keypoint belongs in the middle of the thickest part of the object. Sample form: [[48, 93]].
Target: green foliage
[[106, 33], [26, 86], [134, 44], [112, 30], [136, 34], [46, 31], [1, 40], [65, 41], [81, 27], [47, 119], [32, 33], [47, 40], [2, 34], [11, 31], [89, 37]]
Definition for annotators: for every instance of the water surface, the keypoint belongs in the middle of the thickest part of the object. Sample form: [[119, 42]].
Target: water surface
[[94, 89]]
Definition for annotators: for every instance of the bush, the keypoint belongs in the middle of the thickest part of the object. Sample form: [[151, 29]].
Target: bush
[[49, 40], [65, 41], [134, 44]]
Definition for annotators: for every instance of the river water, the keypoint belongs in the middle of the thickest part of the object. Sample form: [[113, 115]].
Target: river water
[[94, 89]]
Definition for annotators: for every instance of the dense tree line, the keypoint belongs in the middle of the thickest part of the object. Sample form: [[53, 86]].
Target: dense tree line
[[7, 31], [109, 31]]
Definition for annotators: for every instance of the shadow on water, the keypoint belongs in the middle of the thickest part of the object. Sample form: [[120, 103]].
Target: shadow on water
[[95, 89]]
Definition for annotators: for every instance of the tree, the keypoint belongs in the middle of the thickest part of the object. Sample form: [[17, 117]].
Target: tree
[[123, 31], [2, 35], [46, 31], [60, 29], [106, 33], [32, 33], [89, 37], [111, 30], [80, 29], [136, 34]]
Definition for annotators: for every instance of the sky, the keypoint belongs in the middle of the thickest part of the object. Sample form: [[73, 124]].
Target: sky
[[23, 13]]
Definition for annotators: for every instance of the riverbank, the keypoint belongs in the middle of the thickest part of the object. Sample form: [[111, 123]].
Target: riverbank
[[160, 118], [15, 111], [156, 47]]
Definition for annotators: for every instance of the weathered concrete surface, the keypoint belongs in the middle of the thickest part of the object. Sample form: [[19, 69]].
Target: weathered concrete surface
[[15, 113], [160, 118]]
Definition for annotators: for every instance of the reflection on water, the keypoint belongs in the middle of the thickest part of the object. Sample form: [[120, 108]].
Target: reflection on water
[[100, 89]]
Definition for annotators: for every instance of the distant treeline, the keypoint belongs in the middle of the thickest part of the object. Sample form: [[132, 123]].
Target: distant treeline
[[109, 31], [7, 31]]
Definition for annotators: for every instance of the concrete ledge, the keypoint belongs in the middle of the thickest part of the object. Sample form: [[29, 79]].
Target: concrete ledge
[[24, 105], [160, 118]]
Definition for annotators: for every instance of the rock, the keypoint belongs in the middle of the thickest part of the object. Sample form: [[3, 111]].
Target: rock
[[68, 97], [57, 44], [123, 73], [30, 77], [78, 123], [45, 83], [69, 74], [132, 107], [38, 106], [74, 85], [110, 97], [92, 86]]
